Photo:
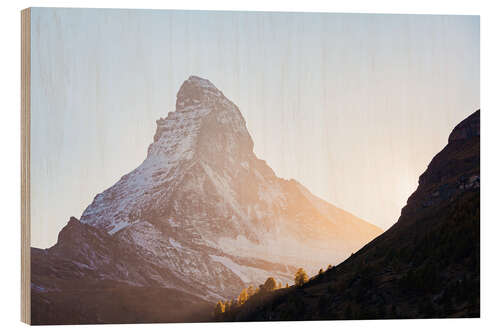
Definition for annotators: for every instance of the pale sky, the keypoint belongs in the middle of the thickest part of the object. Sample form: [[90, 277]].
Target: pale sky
[[354, 106]]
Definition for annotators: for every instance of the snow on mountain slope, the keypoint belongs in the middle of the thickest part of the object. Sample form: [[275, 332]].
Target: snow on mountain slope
[[202, 210]]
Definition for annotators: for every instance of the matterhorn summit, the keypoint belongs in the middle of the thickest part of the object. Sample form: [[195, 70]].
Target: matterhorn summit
[[202, 214]]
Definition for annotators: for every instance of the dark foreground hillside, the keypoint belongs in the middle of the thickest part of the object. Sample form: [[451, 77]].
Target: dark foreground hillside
[[425, 266], [120, 304]]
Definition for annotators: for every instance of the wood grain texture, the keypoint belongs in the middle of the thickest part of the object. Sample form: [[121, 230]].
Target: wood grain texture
[[25, 165], [344, 103], [352, 106]]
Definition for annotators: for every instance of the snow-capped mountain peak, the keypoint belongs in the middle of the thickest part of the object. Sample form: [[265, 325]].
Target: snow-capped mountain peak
[[204, 208]]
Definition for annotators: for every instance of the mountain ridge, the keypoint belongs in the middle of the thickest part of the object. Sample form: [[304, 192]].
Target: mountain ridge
[[203, 147], [202, 214], [425, 266]]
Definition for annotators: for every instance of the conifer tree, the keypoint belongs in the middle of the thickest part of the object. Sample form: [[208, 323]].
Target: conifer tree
[[301, 277], [269, 285], [243, 297], [227, 306], [250, 291], [219, 308]]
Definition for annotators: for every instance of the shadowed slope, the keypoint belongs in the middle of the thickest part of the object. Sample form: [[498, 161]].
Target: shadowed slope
[[426, 265]]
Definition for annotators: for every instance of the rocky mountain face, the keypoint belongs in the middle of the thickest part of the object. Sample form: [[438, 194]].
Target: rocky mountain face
[[425, 266], [201, 215], [90, 276]]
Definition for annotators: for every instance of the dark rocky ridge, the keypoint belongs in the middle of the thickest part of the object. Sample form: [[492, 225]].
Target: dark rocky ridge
[[425, 266]]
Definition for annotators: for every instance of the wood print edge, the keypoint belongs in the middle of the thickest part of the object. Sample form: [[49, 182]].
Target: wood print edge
[[25, 165]]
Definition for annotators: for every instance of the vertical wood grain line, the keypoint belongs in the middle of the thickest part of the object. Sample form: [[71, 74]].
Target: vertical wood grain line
[[25, 165]]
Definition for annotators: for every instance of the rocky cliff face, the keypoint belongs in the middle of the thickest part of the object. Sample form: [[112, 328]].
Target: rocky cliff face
[[202, 213], [451, 171]]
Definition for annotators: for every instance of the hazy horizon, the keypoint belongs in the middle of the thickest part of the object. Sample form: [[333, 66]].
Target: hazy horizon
[[379, 93]]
